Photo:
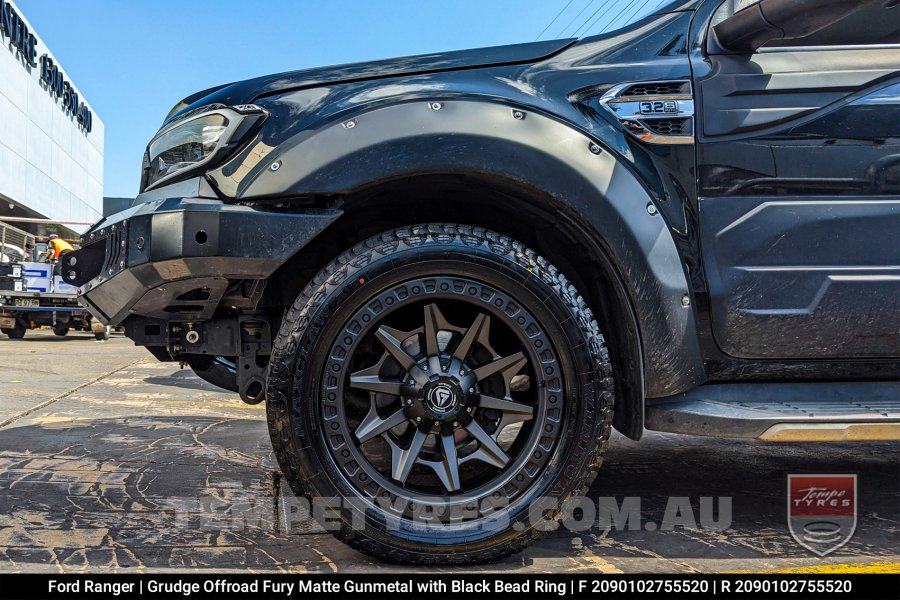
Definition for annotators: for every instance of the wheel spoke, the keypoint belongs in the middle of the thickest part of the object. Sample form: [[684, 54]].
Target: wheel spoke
[[395, 348], [433, 321], [511, 411], [447, 469], [489, 450], [481, 323], [511, 363], [403, 460], [374, 383], [393, 344], [509, 408], [373, 425]]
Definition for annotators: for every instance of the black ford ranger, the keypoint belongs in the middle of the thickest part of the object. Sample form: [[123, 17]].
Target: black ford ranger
[[450, 276]]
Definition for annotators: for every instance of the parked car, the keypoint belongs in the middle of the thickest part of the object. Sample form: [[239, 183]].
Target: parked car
[[451, 275]]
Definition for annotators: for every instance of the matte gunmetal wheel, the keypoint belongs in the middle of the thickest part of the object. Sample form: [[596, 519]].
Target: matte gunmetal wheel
[[440, 378]]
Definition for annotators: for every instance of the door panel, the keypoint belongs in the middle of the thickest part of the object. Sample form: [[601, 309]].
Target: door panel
[[799, 171], [771, 88], [803, 277]]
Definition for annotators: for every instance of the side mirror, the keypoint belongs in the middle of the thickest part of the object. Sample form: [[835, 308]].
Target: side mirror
[[750, 28]]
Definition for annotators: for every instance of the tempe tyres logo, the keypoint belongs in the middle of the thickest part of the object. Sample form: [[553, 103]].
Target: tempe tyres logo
[[822, 511]]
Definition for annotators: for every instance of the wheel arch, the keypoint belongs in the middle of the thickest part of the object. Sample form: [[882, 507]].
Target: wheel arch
[[556, 187], [376, 209]]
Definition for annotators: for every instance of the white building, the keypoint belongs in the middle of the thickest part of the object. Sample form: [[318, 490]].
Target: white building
[[51, 142]]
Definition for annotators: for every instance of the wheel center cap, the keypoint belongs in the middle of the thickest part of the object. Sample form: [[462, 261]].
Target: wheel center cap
[[443, 398]]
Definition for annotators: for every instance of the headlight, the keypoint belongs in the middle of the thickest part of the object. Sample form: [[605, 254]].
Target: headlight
[[195, 140]]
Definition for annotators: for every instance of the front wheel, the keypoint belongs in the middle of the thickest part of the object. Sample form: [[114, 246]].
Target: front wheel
[[437, 382]]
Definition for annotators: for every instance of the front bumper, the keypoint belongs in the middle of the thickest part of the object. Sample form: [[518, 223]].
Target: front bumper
[[174, 258]]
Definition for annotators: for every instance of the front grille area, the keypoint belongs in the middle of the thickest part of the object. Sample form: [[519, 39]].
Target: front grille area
[[115, 251], [666, 88], [669, 126]]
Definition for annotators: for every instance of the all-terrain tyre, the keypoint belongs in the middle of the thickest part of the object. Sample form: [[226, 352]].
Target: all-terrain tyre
[[444, 390]]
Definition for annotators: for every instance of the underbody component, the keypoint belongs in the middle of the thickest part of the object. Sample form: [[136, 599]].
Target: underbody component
[[243, 341]]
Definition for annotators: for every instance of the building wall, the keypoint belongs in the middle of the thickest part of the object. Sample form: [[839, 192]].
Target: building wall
[[48, 163]]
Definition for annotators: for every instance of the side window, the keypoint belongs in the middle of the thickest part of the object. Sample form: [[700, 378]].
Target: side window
[[875, 24]]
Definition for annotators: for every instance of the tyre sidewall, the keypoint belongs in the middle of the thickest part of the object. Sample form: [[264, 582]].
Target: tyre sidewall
[[329, 306]]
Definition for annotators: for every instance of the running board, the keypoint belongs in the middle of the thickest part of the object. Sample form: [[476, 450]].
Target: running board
[[783, 412]]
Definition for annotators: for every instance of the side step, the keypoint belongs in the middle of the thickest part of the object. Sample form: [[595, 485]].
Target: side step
[[783, 412]]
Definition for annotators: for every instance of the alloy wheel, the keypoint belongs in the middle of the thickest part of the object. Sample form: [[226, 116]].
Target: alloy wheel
[[441, 399]]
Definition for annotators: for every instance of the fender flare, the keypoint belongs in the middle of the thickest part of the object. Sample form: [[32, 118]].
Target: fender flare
[[534, 150]]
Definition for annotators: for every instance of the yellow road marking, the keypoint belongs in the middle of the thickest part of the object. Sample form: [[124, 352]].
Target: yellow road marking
[[835, 569], [215, 404], [195, 403]]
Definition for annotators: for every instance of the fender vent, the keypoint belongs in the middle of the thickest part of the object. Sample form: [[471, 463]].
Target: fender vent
[[670, 88], [656, 112], [669, 126]]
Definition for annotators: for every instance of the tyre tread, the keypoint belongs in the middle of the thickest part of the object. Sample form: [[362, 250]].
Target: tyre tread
[[352, 264]]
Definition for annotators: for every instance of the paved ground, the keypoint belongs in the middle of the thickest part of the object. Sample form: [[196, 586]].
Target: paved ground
[[110, 461]]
